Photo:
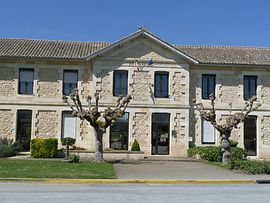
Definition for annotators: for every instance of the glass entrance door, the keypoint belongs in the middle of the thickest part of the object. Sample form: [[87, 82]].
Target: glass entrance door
[[250, 135], [24, 123], [160, 133]]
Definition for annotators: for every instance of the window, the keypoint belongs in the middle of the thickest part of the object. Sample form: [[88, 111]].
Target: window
[[208, 132], [120, 82], [70, 81], [208, 85], [26, 79], [161, 84], [68, 125], [119, 133], [250, 86]]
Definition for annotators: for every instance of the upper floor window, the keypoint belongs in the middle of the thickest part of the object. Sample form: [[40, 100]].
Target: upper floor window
[[26, 79], [250, 86], [161, 84], [70, 81], [208, 85], [120, 82]]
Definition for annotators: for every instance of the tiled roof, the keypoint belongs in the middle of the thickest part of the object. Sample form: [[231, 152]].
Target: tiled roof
[[49, 49], [235, 55], [73, 50]]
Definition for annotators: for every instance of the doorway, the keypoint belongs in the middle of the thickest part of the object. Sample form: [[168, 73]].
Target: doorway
[[24, 123], [250, 135], [160, 133]]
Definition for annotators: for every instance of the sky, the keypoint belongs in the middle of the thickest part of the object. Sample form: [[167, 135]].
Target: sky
[[185, 22]]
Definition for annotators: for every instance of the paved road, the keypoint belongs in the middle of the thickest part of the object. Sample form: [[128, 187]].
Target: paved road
[[177, 169], [26, 192]]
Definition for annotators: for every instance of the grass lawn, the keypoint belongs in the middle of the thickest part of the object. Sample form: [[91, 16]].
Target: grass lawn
[[55, 169]]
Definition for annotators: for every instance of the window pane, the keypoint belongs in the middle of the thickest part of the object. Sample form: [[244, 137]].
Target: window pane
[[208, 85], [68, 125], [120, 82], [208, 132], [70, 81], [252, 87], [161, 84], [119, 133], [26, 81]]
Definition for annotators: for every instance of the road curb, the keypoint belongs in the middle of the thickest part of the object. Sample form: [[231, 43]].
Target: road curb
[[129, 181]]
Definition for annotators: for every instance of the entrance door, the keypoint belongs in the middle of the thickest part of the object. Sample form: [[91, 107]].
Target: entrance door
[[160, 133], [24, 123], [250, 135]]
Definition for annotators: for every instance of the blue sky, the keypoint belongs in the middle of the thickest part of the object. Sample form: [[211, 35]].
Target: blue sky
[[188, 22]]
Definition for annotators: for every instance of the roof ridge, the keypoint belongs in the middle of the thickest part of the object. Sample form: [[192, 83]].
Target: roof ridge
[[220, 46], [54, 40]]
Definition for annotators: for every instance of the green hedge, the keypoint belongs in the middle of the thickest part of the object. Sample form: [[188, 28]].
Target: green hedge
[[213, 153], [251, 167], [44, 148]]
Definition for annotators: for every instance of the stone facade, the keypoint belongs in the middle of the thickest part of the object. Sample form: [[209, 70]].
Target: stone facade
[[96, 76], [6, 120], [7, 81], [48, 84], [266, 130], [46, 124]]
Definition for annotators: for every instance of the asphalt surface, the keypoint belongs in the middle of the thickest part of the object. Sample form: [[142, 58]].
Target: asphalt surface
[[186, 169], [26, 192]]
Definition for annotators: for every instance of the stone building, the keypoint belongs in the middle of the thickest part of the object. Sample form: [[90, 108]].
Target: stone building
[[162, 79]]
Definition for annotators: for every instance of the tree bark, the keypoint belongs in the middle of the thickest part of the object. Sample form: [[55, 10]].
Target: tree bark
[[225, 148], [99, 144]]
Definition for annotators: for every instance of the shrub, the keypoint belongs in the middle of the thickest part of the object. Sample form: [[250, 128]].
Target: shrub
[[68, 141], [233, 143], [44, 148], [74, 158], [6, 151], [8, 147], [135, 146], [238, 154], [251, 167], [213, 153]]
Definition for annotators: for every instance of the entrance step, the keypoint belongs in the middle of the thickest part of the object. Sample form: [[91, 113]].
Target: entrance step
[[168, 158]]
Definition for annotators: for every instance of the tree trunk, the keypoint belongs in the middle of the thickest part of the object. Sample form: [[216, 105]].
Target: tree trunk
[[225, 148], [99, 145]]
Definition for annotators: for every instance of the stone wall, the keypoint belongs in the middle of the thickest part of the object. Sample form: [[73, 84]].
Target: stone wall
[[7, 81], [229, 88], [46, 124], [265, 137], [141, 86], [140, 129], [103, 84], [48, 83], [179, 86], [266, 89], [6, 120]]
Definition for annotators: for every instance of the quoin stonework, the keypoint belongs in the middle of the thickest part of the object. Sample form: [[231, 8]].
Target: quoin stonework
[[163, 80]]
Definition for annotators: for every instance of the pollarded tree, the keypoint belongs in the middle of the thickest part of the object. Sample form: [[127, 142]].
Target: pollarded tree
[[231, 122], [100, 122]]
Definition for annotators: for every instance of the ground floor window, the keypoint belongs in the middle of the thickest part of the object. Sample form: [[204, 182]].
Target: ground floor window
[[208, 133], [119, 133], [68, 125], [24, 123]]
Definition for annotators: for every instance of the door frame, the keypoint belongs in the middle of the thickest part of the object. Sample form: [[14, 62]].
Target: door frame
[[257, 137]]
